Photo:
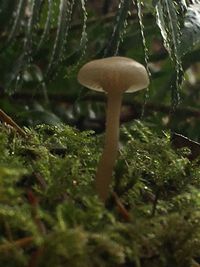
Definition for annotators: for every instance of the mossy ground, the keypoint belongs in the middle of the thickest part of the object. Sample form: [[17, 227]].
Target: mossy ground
[[51, 216]]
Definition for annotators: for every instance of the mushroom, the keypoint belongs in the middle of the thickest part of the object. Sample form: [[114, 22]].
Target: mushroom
[[113, 75]]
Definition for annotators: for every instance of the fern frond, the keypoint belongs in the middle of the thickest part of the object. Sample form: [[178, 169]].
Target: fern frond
[[83, 41], [17, 21], [190, 38], [47, 24], [64, 21], [119, 28], [79, 53], [32, 25], [168, 20]]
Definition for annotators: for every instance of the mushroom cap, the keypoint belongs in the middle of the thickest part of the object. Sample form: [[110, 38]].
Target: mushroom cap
[[114, 73]]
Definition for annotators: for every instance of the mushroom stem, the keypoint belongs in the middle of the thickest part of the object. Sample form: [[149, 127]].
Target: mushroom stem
[[107, 161]]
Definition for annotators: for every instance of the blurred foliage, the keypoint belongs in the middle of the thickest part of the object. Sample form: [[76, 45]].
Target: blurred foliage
[[50, 215], [44, 43]]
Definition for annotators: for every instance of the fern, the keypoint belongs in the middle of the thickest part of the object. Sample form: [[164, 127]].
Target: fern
[[17, 21], [64, 20], [169, 23], [78, 55], [119, 28], [167, 20], [84, 39], [190, 38], [32, 22], [47, 24]]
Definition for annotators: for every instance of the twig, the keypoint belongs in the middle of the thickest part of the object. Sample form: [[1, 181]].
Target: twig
[[23, 242], [33, 200], [122, 210], [5, 118]]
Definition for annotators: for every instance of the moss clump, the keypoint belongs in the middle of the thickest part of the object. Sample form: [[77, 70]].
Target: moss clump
[[51, 216]]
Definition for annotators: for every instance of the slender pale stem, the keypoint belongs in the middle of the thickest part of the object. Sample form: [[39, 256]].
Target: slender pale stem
[[107, 161]]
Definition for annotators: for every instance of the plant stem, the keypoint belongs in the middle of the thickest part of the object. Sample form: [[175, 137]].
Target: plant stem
[[23, 242], [107, 161], [122, 210]]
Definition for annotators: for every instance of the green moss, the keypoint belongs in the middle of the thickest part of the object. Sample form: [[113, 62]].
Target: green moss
[[47, 197]]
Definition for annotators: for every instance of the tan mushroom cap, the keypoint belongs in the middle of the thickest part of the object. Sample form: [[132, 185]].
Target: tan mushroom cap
[[114, 73]]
